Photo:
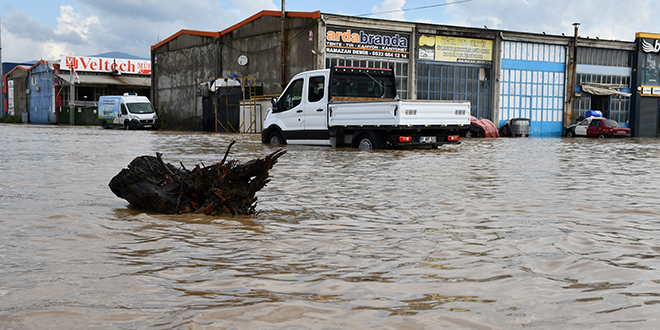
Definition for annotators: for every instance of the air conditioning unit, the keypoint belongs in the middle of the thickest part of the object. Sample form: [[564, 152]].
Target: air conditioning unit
[[37, 88]]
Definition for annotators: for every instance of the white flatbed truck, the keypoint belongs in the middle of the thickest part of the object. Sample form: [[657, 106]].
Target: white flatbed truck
[[358, 107]]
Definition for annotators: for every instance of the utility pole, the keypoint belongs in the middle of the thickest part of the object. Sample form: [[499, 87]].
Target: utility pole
[[282, 47], [575, 49], [72, 97], [2, 75], [568, 113]]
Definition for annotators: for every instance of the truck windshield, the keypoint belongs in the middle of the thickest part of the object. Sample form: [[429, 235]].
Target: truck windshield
[[140, 107]]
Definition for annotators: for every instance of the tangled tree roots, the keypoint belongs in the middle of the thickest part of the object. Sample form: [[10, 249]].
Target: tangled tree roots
[[223, 188]]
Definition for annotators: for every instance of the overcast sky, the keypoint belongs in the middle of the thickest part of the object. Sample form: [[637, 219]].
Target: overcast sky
[[47, 29]]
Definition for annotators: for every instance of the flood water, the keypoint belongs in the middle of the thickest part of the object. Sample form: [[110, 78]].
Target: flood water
[[492, 234]]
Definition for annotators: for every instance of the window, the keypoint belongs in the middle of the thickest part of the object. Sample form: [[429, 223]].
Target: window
[[291, 97], [316, 89], [604, 57], [439, 81]]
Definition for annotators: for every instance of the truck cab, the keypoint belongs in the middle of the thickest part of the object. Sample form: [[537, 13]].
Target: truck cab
[[299, 115]]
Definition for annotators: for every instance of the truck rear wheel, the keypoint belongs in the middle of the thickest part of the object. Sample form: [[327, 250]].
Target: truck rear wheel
[[365, 141]]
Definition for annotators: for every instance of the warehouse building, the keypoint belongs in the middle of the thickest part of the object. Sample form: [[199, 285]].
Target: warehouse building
[[551, 80], [66, 91]]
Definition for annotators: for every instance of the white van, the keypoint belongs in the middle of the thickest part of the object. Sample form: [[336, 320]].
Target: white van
[[128, 111]]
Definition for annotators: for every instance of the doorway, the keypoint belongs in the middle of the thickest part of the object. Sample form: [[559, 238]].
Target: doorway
[[601, 103]]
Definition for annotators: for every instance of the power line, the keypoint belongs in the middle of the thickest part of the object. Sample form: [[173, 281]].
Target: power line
[[407, 9]]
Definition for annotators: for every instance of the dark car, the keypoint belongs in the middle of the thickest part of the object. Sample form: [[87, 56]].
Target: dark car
[[597, 127]]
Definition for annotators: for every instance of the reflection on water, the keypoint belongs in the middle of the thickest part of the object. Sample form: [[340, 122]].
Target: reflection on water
[[491, 234]]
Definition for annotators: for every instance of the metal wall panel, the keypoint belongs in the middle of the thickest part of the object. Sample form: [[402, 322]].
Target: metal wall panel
[[447, 81], [648, 109]]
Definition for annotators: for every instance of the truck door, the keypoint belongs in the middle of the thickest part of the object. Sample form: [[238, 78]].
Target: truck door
[[315, 108], [290, 110]]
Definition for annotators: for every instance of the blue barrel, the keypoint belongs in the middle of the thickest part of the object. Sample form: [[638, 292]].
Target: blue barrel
[[593, 113]]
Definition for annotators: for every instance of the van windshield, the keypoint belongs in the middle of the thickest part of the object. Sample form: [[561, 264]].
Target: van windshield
[[140, 107]]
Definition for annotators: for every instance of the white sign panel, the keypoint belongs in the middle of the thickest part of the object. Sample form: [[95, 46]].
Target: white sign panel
[[101, 64], [10, 97]]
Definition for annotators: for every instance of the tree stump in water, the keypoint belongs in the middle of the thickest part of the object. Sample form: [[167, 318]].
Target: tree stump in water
[[223, 188]]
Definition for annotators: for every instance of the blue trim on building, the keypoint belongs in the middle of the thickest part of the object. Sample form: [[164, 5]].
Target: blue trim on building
[[533, 66], [603, 70], [543, 128]]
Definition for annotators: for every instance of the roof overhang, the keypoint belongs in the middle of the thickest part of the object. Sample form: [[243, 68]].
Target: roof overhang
[[108, 80], [604, 89]]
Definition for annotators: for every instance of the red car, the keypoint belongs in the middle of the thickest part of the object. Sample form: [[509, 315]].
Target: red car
[[597, 127], [602, 128]]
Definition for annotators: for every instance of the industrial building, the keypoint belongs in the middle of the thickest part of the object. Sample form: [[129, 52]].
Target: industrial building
[[66, 91], [549, 79]]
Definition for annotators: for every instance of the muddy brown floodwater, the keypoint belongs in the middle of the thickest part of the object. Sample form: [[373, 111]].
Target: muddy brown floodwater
[[510, 233]]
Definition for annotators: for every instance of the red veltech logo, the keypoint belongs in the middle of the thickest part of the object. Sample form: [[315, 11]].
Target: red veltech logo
[[71, 62]]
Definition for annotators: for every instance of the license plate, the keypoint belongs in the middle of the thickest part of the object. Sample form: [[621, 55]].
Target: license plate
[[147, 126], [427, 139]]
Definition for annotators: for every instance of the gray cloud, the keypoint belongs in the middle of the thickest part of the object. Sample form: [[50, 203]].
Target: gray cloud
[[21, 25]]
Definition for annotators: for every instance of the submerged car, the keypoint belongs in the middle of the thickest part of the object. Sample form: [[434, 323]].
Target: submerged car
[[597, 127]]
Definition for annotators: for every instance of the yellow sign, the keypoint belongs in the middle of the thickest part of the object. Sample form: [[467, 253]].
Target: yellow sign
[[650, 91], [450, 49]]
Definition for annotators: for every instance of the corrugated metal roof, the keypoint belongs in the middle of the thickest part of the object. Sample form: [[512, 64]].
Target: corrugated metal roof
[[108, 80]]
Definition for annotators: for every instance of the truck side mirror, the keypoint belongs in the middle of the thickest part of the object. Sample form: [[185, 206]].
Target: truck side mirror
[[273, 103]]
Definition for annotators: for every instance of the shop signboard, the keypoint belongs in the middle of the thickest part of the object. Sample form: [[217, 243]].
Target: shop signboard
[[101, 64], [367, 42], [456, 50], [10, 97], [649, 61]]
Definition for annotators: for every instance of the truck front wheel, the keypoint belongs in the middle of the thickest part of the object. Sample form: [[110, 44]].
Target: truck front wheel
[[275, 138], [126, 125]]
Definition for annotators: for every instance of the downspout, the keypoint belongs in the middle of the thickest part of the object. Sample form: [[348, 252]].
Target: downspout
[[568, 115], [575, 49], [219, 70], [282, 47]]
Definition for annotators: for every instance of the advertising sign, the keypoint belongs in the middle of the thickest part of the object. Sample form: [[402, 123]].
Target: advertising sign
[[100, 64], [450, 49], [10, 97], [649, 62], [364, 42]]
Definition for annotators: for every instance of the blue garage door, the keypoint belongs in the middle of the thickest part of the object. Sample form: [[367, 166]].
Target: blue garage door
[[532, 86]]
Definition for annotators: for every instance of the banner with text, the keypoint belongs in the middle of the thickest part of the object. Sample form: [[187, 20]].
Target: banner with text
[[450, 49], [100, 64], [362, 42]]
